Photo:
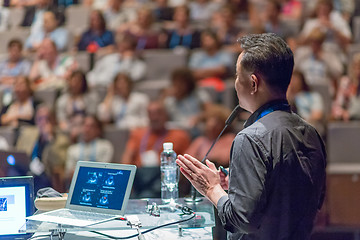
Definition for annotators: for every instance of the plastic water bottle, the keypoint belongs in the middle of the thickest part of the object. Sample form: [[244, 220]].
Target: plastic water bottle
[[169, 174]]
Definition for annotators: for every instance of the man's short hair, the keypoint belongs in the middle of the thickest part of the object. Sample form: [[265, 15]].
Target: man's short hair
[[15, 42], [269, 57]]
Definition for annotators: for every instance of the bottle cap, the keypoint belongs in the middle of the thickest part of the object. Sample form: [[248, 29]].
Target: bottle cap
[[168, 146]]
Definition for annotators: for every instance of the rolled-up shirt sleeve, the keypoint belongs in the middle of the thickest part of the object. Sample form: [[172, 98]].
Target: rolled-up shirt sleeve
[[242, 209]]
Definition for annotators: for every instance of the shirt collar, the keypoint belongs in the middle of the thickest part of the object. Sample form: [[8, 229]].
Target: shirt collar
[[275, 105]]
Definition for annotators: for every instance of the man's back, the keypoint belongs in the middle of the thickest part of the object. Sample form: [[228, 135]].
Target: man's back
[[286, 165]]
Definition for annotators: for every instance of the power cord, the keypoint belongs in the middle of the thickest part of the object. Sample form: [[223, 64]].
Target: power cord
[[150, 229]]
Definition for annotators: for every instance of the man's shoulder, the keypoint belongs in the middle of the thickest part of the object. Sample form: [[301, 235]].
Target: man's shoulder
[[277, 121]]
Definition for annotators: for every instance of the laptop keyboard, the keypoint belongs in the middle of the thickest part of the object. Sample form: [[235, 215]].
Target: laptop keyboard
[[80, 215]]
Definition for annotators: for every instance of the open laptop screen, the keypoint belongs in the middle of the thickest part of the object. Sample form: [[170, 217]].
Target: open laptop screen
[[100, 187], [16, 203]]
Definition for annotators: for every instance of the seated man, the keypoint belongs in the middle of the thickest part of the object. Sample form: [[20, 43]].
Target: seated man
[[50, 70], [47, 149], [124, 61], [145, 145], [14, 65], [90, 148]]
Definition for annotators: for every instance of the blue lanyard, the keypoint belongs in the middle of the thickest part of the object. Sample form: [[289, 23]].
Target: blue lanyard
[[281, 107]]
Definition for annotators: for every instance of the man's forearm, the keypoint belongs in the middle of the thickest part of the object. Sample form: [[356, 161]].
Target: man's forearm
[[215, 193]]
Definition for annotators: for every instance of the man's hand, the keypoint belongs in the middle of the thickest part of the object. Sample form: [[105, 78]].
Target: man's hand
[[205, 179]]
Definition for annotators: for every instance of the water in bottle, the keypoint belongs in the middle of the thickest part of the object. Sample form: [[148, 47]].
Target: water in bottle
[[169, 174]]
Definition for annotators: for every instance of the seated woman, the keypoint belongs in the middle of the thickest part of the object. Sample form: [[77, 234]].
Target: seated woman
[[122, 106], [214, 118], [183, 101], [76, 103], [97, 34], [142, 30], [308, 104], [22, 109]]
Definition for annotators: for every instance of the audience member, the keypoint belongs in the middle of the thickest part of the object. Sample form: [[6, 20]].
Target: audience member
[[97, 34], [75, 103], [22, 109], [50, 29], [47, 149], [162, 11], [202, 10], [122, 106], [145, 144], [144, 147], [124, 61], [274, 24], [319, 66], [116, 15], [346, 105], [244, 9], [214, 118], [49, 69], [92, 147], [307, 103], [337, 31], [224, 25], [142, 30], [15, 64], [182, 33], [34, 14], [292, 10], [183, 101], [211, 64]]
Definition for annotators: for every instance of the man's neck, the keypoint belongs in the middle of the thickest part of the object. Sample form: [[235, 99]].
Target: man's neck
[[262, 101]]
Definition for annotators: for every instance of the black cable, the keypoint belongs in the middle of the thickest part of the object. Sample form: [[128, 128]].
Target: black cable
[[146, 231]]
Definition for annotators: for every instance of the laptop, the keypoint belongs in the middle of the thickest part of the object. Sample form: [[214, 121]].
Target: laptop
[[99, 192], [14, 163], [16, 203]]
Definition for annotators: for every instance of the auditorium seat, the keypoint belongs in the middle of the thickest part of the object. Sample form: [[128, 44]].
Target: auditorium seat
[[47, 96], [118, 138], [16, 17], [343, 142], [9, 134], [5, 37], [161, 62], [77, 19]]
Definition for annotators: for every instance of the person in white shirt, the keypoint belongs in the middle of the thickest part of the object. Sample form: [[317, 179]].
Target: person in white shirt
[[125, 61], [52, 30], [337, 30], [122, 106], [90, 148]]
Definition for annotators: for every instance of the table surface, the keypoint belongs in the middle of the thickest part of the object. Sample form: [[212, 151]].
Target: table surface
[[204, 218]]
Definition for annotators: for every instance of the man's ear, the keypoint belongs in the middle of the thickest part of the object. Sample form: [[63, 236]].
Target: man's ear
[[254, 83]]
